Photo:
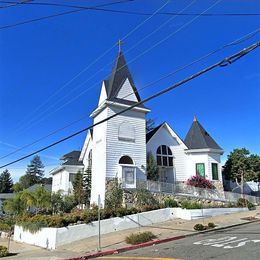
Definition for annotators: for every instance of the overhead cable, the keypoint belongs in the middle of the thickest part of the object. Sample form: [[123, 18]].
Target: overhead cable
[[226, 61]]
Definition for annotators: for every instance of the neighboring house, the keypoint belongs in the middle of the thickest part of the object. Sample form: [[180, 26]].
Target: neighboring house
[[63, 175], [47, 187], [118, 147]]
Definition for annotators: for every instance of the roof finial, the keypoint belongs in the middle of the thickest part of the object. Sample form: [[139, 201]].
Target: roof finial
[[195, 119], [120, 44]]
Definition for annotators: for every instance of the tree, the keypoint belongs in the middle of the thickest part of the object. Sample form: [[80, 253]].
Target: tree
[[87, 185], [6, 182], [15, 205], [34, 174], [42, 199], [35, 170], [152, 169], [241, 166], [79, 189]]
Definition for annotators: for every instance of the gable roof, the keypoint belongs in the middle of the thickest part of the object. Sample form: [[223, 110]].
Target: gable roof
[[118, 76], [71, 155], [72, 158], [151, 133], [199, 138]]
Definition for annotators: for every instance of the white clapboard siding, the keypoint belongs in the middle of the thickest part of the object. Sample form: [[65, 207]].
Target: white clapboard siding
[[127, 92], [133, 147], [164, 137]]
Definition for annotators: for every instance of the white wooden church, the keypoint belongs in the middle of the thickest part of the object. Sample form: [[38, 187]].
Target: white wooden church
[[119, 147]]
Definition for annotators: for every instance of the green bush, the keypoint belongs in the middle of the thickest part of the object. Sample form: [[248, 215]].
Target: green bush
[[145, 199], [3, 251], [199, 227], [5, 227], [187, 204], [242, 202], [211, 225], [134, 239], [170, 203]]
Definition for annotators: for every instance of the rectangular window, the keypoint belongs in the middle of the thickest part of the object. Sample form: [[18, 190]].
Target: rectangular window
[[200, 169], [214, 169], [159, 160]]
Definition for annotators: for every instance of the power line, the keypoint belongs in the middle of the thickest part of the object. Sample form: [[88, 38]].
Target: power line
[[224, 62], [11, 4], [92, 63], [61, 14], [134, 59], [235, 42], [135, 12]]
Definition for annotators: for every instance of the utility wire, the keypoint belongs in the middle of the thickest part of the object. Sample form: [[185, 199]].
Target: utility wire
[[135, 12], [93, 75], [134, 59], [235, 42], [61, 14], [11, 4], [91, 64], [226, 61]]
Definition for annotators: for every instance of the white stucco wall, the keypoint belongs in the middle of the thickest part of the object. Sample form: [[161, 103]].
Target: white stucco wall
[[190, 214], [45, 238], [51, 238]]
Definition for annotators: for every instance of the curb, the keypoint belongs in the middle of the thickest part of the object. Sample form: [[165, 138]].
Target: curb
[[153, 242]]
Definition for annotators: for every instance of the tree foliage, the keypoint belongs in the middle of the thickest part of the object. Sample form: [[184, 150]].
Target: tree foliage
[[87, 184], [241, 165], [114, 195], [79, 191], [152, 170], [34, 174], [6, 182]]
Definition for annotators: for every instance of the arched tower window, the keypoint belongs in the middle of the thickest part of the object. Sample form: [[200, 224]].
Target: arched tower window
[[126, 132], [126, 160], [164, 156]]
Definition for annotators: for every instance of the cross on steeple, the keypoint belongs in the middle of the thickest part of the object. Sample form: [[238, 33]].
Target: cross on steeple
[[120, 44]]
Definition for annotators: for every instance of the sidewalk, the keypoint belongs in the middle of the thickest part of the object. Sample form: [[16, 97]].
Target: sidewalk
[[176, 227]]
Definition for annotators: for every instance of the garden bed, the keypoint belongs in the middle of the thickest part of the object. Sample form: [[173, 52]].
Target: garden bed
[[51, 238]]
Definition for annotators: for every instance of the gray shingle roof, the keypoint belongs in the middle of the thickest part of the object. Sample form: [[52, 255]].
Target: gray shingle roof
[[118, 76], [199, 138], [72, 158], [151, 133]]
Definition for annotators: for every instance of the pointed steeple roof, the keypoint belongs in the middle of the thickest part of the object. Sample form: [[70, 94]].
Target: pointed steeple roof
[[118, 76], [199, 138]]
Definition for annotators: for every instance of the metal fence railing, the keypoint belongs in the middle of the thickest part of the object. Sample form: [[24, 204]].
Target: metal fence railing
[[188, 190]]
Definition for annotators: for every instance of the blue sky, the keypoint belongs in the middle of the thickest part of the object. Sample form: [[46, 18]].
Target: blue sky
[[38, 59]]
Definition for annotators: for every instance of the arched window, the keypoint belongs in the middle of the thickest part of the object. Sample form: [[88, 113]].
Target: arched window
[[126, 160], [126, 132], [90, 159], [164, 156]]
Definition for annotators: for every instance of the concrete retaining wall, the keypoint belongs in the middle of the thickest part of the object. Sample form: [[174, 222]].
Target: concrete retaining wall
[[190, 214], [51, 238]]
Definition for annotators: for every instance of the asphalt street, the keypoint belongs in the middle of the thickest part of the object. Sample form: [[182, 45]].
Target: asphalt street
[[242, 242]]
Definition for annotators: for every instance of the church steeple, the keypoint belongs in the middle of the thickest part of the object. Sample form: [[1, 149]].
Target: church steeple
[[118, 77]]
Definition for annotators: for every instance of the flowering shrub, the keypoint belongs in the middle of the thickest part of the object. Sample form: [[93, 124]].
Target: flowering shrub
[[200, 182]]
